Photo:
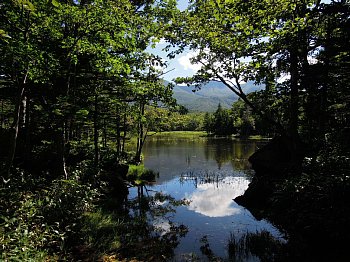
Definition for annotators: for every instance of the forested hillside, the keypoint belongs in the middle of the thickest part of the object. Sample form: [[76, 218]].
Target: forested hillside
[[209, 96]]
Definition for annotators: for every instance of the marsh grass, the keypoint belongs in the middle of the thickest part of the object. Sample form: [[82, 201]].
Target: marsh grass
[[260, 244]]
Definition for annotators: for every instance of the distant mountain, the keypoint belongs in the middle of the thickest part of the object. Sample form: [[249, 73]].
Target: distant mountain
[[209, 96]]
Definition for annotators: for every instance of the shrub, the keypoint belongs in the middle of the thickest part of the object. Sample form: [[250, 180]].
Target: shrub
[[39, 218]]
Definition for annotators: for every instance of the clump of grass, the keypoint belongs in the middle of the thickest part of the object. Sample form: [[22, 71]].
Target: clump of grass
[[140, 175], [101, 231]]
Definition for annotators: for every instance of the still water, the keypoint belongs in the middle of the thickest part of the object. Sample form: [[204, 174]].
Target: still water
[[209, 173]]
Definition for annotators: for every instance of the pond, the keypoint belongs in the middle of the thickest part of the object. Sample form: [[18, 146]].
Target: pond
[[209, 173]]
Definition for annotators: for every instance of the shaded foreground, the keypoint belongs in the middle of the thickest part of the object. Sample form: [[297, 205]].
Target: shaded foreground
[[312, 205], [66, 220]]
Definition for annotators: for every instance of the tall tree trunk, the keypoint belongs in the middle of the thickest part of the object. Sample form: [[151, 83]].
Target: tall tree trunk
[[294, 111], [125, 131], [294, 103], [323, 119], [2, 119], [64, 135], [15, 128], [96, 149], [27, 126], [62, 150], [117, 118], [104, 131]]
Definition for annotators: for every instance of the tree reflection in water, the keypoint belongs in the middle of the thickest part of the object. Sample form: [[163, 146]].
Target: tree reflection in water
[[152, 236]]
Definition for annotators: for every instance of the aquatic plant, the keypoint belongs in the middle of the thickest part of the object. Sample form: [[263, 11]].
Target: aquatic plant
[[261, 245]]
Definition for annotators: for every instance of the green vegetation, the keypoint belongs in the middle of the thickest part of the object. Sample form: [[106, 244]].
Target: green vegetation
[[177, 119], [75, 86], [79, 95], [41, 220], [220, 123]]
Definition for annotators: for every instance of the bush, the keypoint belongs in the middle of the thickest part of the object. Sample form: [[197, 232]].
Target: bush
[[39, 220]]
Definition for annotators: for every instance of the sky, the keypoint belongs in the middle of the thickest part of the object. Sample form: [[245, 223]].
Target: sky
[[180, 66]]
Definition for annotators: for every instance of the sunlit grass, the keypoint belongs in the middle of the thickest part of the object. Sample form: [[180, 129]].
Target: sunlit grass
[[180, 134], [140, 175], [257, 137]]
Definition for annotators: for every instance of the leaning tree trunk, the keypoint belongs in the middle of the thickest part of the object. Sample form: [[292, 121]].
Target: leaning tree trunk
[[140, 137]]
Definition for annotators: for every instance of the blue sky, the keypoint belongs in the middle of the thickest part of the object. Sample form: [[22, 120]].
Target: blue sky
[[180, 65]]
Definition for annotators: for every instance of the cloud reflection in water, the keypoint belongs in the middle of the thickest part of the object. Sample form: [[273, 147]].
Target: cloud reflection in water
[[215, 199]]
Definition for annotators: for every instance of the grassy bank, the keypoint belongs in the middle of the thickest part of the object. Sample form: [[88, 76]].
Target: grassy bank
[[197, 134], [178, 134]]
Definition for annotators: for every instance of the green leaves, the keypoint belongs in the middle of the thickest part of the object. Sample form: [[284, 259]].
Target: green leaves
[[26, 4], [3, 34], [55, 3]]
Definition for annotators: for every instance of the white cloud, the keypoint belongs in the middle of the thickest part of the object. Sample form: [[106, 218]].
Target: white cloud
[[185, 62], [214, 200]]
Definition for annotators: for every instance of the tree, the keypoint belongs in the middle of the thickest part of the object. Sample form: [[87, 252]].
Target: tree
[[16, 69], [243, 120], [70, 60], [208, 123], [222, 122], [222, 37], [267, 42]]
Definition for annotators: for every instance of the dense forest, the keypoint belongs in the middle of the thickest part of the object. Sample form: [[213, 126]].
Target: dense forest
[[79, 95]]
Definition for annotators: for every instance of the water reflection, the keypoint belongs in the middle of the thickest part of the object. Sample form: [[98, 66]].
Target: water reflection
[[209, 173], [171, 156], [215, 199], [236, 152]]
